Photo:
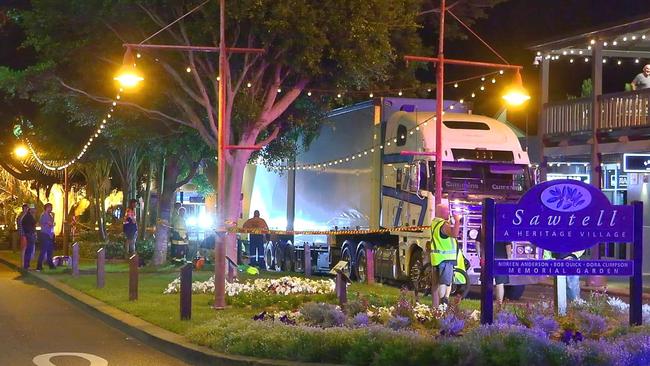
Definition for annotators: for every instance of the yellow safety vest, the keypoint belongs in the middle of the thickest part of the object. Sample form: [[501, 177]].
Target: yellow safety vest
[[442, 249]]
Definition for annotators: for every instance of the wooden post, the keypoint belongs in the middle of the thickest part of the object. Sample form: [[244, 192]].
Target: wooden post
[[186, 291], [636, 281], [101, 258], [133, 277], [341, 288], [487, 277], [370, 265], [75, 259], [307, 259]]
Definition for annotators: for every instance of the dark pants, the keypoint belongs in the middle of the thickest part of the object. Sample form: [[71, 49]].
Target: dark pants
[[47, 249], [256, 250], [29, 250]]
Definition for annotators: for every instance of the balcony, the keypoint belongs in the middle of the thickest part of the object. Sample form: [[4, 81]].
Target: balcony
[[618, 111]]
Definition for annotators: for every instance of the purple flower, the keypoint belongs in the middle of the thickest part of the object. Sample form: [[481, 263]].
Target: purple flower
[[260, 316], [451, 326], [577, 337], [361, 320], [590, 324], [398, 322], [547, 324], [506, 318], [567, 336]]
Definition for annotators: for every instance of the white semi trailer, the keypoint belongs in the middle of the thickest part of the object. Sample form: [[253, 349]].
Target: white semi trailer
[[355, 176]]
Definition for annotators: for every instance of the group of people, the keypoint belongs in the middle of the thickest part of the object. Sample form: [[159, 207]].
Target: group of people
[[444, 256], [26, 224]]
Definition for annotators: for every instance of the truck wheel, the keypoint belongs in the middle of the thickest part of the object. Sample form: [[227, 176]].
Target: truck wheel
[[362, 266], [460, 283], [279, 259], [346, 256], [514, 292], [289, 259], [415, 271], [299, 264], [422, 281], [269, 259]]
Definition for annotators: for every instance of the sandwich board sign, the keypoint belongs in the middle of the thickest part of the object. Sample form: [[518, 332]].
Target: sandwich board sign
[[563, 216]]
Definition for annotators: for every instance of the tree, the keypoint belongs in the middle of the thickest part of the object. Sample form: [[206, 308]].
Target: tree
[[335, 45]]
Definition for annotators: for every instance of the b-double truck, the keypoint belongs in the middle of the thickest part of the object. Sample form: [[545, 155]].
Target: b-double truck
[[372, 167]]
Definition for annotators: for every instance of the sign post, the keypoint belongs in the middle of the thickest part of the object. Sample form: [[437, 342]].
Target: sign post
[[563, 216]]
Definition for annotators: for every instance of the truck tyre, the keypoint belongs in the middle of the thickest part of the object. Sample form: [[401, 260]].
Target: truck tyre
[[347, 256], [415, 271], [278, 258], [288, 264], [514, 292], [422, 282], [361, 265], [269, 258]]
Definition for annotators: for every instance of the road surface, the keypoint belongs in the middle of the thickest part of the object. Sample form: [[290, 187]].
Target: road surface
[[37, 326]]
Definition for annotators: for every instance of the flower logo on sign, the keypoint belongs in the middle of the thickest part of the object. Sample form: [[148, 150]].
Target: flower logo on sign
[[566, 197]]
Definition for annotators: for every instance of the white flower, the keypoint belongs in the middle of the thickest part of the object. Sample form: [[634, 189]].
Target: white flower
[[618, 304]]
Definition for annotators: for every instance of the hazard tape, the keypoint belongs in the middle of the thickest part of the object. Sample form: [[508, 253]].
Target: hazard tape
[[240, 230]]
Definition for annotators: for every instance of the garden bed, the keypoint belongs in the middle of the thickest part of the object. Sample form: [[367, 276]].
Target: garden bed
[[380, 325]]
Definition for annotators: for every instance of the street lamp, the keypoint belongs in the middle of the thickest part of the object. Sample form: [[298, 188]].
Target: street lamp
[[128, 76], [516, 94], [21, 151]]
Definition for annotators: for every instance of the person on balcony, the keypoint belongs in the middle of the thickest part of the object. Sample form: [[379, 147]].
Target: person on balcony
[[642, 81]]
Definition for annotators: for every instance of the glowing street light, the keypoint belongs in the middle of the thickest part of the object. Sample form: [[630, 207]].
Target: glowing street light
[[128, 76], [21, 151], [516, 94]]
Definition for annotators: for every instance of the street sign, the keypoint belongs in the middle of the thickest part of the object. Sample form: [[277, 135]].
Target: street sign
[[563, 216]]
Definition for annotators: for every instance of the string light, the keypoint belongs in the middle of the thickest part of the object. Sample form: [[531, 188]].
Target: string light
[[65, 165]]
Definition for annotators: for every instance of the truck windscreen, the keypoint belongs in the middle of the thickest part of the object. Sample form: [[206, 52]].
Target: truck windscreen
[[482, 178]]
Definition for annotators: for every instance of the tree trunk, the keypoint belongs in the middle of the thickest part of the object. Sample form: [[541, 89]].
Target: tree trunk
[[165, 204], [233, 182], [147, 198]]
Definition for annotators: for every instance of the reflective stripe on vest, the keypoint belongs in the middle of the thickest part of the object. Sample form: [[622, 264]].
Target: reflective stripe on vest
[[443, 249]]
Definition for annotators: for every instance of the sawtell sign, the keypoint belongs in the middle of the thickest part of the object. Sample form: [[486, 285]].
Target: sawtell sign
[[563, 216]]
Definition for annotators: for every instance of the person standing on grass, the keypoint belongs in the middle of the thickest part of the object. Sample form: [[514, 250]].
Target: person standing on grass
[[444, 249], [46, 238], [22, 239], [130, 228], [256, 240], [29, 231]]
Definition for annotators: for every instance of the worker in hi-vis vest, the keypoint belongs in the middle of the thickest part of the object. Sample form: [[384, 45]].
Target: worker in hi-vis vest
[[444, 249]]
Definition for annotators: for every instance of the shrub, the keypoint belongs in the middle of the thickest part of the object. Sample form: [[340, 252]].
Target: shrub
[[506, 318], [451, 326], [322, 315], [398, 322], [592, 325], [548, 324]]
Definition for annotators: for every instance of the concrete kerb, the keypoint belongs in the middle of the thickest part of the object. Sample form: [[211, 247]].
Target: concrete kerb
[[162, 339]]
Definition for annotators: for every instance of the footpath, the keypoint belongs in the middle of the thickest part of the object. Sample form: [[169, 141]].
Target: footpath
[[166, 341]]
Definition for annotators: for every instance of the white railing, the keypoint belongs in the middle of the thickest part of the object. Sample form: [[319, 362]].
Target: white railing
[[617, 110]]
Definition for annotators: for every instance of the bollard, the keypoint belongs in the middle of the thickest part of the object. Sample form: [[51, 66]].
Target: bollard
[[75, 259], [341, 288], [101, 259], [186, 291], [370, 266], [133, 277], [307, 259]]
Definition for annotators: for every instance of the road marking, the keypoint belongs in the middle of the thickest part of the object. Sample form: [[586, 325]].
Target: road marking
[[44, 359]]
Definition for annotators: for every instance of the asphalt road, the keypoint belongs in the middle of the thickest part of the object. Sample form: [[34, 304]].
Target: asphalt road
[[34, 323]]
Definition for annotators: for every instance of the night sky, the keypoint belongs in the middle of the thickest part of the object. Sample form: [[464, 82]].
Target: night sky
[[510, 28]]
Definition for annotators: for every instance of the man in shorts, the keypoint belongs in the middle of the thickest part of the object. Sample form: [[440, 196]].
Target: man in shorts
[[444, 249]]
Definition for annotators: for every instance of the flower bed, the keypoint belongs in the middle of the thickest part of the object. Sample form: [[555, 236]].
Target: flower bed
[[277, 286]]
